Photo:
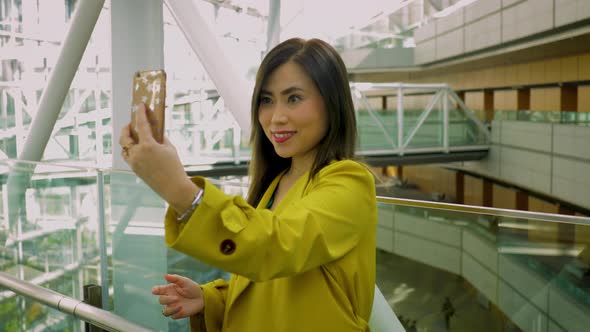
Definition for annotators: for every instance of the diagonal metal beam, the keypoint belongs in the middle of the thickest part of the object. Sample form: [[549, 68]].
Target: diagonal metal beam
[[61, 77], [436, 4], [422, 118], [231, 86], [470, 115]]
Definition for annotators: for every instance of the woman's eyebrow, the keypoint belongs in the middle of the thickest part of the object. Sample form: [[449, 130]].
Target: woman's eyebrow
[[284, 92]]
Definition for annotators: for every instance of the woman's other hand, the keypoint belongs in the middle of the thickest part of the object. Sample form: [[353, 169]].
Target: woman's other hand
[[158, 165], [181, 298]]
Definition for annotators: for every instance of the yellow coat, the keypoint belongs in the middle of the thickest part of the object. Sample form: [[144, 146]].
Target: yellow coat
[[309, 265]]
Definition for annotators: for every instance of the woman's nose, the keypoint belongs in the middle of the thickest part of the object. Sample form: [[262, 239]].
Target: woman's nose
[[278, 114]]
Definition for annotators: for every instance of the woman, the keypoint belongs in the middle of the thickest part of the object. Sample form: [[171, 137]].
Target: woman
[[302, 248]]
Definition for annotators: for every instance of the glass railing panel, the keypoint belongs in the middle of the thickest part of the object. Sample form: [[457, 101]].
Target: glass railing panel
[[377, 130], [563, 117], [135, 224], [430, 132], [49, 233], [500, 273], [140, 255], [420, 112]]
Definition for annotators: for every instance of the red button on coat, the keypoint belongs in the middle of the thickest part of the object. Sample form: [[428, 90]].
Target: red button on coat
[[227, 247]]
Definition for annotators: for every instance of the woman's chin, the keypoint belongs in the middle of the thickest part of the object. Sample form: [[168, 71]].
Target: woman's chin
[[283, 155]]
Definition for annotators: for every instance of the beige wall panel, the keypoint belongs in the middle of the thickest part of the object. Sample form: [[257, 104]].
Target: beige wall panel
[[499, 97], [473, 194], [452, 78], [511, 99], [537, 72], [487, 77], [424, 177], [584, 67], [474, 79], [546, 99], [460, 81], [420, 175], [444, 182], [584, 98], [539, 205], [552, 70], [474, 100], [481, 78], [538, 99], [523, 74], [552, 99], [510, 75], [503, 198], [569, 69], [505, 100], [497, 76]]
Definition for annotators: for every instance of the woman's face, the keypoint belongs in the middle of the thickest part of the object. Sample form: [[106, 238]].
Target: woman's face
[[292, 113]]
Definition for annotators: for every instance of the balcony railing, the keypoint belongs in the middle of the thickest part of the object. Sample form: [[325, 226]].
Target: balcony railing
[[74, 226]]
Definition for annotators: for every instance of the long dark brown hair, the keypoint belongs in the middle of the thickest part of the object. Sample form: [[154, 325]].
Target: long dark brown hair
[[323, 65]]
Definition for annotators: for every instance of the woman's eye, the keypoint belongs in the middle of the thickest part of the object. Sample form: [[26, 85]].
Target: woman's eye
[[265, 100], [294, 98]]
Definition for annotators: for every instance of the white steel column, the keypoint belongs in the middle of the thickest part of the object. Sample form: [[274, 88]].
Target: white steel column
[[234, 88], [137, 30], [58, 85], [273, 33], [400, 120], [137, 44], [61, 77], [445, 121]]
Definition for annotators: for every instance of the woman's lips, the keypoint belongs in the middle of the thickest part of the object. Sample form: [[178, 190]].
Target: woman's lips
[[282, 136]]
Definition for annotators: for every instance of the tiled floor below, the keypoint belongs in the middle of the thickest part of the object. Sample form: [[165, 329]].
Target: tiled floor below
[[417, 292]]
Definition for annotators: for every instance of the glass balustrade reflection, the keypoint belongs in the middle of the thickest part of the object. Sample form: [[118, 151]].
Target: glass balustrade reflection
[[49, 237], [140, 257], [49, 233], [517, 273], [500, 273]]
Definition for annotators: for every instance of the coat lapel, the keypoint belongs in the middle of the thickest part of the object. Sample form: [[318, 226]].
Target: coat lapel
[[241, 283]]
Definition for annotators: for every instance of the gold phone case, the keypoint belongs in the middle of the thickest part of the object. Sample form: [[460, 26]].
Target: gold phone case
[[149, 87]]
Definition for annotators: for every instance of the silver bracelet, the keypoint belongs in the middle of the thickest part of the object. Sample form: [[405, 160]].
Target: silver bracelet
[[188, 212]]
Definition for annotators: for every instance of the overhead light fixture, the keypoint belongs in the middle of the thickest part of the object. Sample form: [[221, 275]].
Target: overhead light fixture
[[451, 9]]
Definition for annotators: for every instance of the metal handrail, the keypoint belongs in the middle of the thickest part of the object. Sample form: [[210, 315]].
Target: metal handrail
[[95, 316], [483, 210]]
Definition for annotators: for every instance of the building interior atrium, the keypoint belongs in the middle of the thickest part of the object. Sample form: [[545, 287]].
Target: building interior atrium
[[474, 116]]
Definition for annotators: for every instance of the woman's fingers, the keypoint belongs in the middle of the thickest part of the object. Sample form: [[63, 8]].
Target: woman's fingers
[[144, 129], [179, 314], [167, 299], [162, 289], [170, 310], [176, 279], [125, 136]]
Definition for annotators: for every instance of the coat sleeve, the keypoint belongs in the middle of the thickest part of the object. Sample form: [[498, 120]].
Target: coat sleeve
[[214, 294], [318, 228]]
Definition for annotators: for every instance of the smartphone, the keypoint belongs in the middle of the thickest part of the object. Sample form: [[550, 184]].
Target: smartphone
[[149, 87]]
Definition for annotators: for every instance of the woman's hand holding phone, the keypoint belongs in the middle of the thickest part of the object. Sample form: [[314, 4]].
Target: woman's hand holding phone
[[149, 88], [154, 159]]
